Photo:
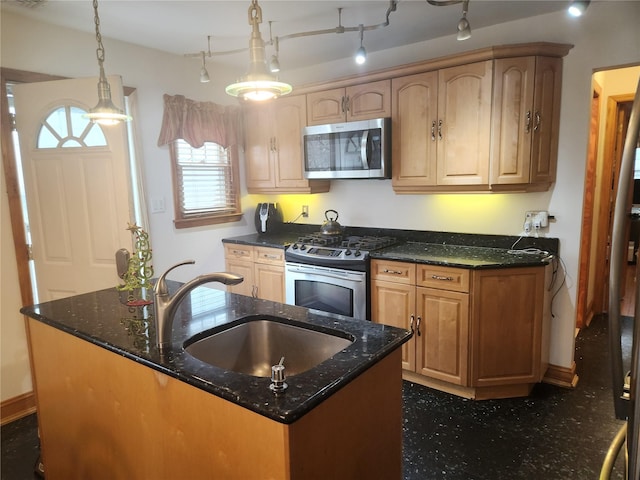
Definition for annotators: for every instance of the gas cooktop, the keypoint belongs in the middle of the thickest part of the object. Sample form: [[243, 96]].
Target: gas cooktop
[[335, 250]]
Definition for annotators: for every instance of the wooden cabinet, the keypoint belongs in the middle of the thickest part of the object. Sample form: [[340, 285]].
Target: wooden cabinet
[[526, 116], [507, 327], [273, 148], [477, 333], [357, 102], [262, 269], [434, 303], [442, 128]]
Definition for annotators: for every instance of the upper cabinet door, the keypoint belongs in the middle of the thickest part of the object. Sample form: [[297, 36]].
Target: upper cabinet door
[[546, 120], [326, 107], [464, 124], [512, 120], [289, 116], [414, 130], [368, 101]]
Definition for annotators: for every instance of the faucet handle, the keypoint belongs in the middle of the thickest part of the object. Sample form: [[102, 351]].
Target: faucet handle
[[160, 288]]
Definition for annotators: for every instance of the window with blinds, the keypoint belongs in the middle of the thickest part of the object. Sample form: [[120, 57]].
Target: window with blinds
[[205, 184]]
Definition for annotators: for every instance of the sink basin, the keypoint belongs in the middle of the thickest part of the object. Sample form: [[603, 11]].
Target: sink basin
[[254, 346]]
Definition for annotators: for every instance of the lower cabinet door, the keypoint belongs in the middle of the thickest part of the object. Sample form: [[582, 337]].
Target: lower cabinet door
[[269, 280], [393, 304], [442, 335]]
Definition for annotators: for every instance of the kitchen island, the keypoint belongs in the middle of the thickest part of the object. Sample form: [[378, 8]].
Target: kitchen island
[[110, 405]]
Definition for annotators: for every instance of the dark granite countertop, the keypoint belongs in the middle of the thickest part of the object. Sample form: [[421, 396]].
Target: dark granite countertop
[[461, 256], [462, 250], [101, 319]]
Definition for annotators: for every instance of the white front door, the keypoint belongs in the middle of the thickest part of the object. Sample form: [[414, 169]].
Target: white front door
[[76, 178]]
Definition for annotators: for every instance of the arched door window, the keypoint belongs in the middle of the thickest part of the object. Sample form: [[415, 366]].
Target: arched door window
[[66, 127]]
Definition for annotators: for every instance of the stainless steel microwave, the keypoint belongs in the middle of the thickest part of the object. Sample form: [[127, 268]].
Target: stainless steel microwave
[[348, 150]]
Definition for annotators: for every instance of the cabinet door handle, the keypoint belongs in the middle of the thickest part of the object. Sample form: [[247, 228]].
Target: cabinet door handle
[[411, 320], [345, 104], [392, 272], [536, 126], [433, 131], [254, 291], [527, 122], [442, 277], [440, 129], [418, 326], [271, 256]]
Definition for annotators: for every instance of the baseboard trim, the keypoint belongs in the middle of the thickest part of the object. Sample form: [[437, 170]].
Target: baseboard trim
[[561, 376], [17, 407]]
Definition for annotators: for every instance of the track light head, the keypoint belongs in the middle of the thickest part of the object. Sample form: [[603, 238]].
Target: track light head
[[578, 7], [361, 55], [464, 27]]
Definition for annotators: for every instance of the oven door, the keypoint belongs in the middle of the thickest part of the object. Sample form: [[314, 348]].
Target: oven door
[[328, 289]]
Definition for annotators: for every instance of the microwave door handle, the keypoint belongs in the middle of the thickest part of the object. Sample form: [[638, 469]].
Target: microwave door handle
[[364, 143]]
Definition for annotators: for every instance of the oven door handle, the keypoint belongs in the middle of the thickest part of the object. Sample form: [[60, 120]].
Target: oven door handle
[[321, 275]]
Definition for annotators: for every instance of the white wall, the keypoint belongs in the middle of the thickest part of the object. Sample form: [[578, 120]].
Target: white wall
[[606, 36]]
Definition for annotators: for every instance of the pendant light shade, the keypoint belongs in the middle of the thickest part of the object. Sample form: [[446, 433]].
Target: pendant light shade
[[258, 84], [105, 112]]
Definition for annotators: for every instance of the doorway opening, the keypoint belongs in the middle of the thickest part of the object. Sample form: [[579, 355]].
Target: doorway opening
[[612, 94], [64, 119]]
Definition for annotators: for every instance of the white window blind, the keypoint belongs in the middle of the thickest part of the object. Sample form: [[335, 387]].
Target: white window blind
[[205, 182], [206, 179]]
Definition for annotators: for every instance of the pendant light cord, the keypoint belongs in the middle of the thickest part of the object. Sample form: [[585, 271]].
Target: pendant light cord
[[100, 49]]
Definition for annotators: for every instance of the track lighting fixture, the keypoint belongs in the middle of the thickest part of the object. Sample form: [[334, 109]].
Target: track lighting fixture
[[361, 53], [464, 28], [105, 112], [204, 75], [578, 7], [258, 84]]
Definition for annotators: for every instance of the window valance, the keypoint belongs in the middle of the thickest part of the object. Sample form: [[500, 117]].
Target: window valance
[[198, 122]]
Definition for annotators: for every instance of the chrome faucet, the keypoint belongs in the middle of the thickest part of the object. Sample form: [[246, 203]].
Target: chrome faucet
[[165, 306]]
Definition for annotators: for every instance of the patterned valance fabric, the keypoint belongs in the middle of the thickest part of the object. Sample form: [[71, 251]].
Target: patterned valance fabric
[[198, 122]]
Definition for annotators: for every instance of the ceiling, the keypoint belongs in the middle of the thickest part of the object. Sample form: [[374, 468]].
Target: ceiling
[[182, 26]]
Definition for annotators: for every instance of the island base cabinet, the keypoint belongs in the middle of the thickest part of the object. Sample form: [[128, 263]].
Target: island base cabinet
[[103, 416]]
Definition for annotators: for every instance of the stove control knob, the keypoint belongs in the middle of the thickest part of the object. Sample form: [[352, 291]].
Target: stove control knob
[[294, 246], [358, 253], [347, 252], [303, 247]]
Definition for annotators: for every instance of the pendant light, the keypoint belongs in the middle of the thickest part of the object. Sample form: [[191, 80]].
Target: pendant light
[[258, 84], [361, 53], [105, 112]]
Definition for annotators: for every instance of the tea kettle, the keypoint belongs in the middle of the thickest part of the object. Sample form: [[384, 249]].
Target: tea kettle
[[331, 227]]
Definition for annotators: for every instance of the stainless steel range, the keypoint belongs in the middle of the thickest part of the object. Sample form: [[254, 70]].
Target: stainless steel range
[[330, 272]]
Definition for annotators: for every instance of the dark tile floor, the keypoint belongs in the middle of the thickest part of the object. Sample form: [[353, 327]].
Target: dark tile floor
[[555, 434]]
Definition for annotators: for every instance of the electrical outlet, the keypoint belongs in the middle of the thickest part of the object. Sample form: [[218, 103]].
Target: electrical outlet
[[305, 211], [536, 220]]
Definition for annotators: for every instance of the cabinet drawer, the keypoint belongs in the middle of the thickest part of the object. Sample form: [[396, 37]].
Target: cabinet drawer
[[443, 278], [273, 256], [238, 252], [398, 272]]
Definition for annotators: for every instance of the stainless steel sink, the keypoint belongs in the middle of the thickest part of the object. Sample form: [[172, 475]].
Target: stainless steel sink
[[254, 346]]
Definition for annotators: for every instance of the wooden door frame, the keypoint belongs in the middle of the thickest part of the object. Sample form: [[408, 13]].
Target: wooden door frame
[[584, 310], [8, 75], [610, 172]]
